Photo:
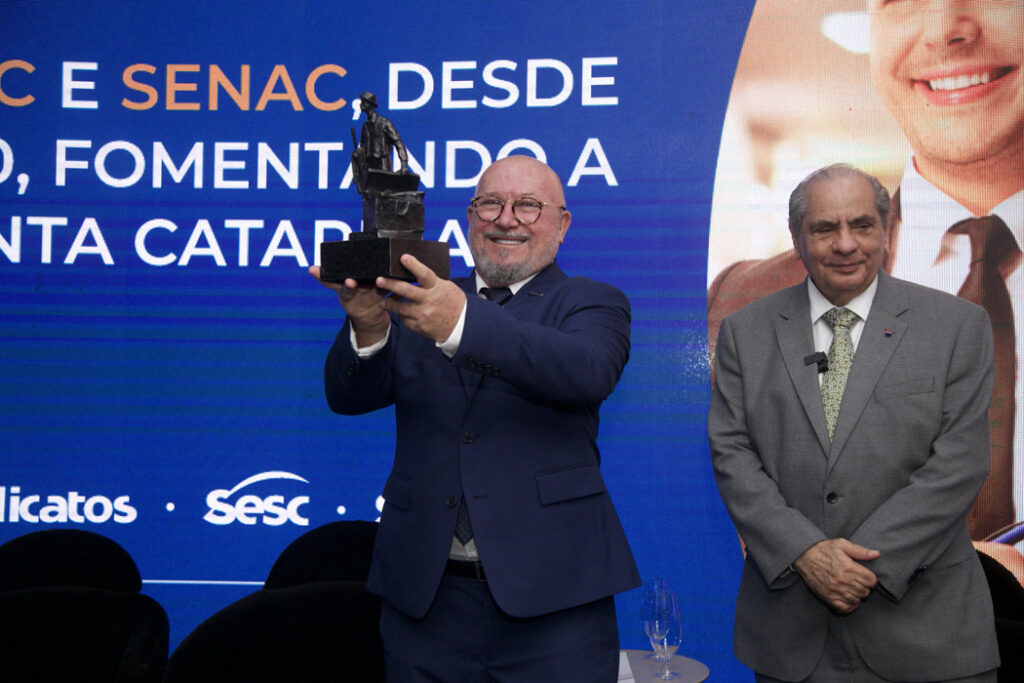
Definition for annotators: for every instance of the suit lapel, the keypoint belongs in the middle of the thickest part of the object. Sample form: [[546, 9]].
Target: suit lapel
[[527, 299], [532, 293], [470, 380], [878, 341], [793, 334]]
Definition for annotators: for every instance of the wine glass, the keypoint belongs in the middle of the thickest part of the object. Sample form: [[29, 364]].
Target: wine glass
[[663, 626], [647, 602]]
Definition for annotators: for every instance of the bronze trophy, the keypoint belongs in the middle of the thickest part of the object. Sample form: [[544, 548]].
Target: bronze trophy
[[392, 211]]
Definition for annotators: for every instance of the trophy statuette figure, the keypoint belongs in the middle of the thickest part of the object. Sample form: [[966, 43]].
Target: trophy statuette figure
[[392, 211]]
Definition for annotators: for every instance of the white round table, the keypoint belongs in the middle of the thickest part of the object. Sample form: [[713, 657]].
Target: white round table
[[689, 670]]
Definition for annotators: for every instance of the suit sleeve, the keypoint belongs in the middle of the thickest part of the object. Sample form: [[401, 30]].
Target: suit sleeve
[[775, 533], [573, 356], [355, 385], [920, 520]]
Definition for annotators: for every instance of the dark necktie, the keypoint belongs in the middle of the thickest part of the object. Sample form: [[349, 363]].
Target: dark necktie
[[499, 295], [463, 529], [994, 255]]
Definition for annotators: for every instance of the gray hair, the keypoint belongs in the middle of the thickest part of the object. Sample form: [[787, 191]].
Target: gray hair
[[798, 199]]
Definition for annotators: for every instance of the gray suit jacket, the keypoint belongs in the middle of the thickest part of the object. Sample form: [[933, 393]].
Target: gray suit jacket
[[909, 455]]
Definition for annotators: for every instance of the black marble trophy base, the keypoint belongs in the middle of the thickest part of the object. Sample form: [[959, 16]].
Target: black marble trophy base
[[364, 257]]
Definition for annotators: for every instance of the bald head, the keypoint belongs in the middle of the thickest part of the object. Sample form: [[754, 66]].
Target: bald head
[[527, 170], [504, 250]]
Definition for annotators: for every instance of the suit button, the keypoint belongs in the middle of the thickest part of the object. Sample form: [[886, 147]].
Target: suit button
[[832, 498], [451, 501], [467, 437]]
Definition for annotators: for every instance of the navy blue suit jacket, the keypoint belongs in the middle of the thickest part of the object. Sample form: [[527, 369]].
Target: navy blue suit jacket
[[512, 421]]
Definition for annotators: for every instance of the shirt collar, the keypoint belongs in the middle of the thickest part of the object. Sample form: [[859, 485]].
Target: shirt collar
[[927, 212], [860, 304], [515, 286]]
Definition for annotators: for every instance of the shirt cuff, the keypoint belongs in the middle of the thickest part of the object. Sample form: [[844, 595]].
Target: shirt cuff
[[450, 346], [372, 349]]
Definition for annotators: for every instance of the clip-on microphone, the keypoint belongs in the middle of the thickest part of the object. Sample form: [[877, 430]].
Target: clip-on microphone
[[820, 358]]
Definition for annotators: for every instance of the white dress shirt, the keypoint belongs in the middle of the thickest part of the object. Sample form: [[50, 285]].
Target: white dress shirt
[[860, 304], [450, 345]]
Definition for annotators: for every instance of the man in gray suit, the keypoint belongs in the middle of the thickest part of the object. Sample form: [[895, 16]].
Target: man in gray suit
[[849, 474]]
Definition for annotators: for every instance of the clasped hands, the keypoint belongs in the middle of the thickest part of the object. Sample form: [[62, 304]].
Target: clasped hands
[[431, 309], [832, 569]]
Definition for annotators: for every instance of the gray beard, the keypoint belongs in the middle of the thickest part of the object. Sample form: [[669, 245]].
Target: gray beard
[[500, 276]]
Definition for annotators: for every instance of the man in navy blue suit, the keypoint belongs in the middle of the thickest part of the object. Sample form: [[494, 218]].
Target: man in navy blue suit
[[499, 549]]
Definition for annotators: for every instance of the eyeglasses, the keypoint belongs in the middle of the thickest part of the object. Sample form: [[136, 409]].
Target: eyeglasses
[[526, 210]]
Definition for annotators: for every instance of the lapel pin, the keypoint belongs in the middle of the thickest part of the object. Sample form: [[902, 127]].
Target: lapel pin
[[888, 333]]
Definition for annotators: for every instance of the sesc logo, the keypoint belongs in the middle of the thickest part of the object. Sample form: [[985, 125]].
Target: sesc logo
[[247, 509], [60, 508]]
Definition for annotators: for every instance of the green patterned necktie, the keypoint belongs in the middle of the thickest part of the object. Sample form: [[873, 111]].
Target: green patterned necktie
[[840, 358]]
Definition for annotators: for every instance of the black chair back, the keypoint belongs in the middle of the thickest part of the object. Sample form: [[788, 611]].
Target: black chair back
[[338, 551], [313, 621], [71, 610], [1008, 604], [67, 557]]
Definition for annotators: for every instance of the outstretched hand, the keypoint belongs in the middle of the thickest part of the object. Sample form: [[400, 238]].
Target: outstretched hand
[[431, 309], [833, 570], [364, 306]]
